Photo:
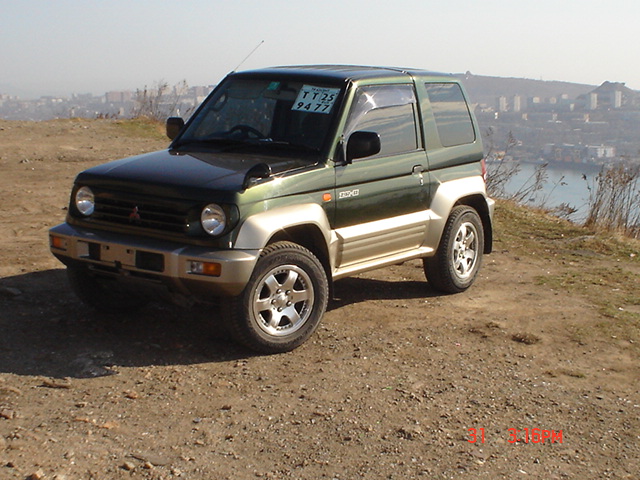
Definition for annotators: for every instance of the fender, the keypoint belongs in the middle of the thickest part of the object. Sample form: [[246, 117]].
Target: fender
[[446, 196], [256, 230]]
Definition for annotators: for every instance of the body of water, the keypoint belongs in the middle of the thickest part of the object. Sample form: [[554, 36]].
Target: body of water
[[563, 185]]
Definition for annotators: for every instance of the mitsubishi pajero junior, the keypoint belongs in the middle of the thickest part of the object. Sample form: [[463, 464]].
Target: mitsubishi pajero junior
[[283, 181]]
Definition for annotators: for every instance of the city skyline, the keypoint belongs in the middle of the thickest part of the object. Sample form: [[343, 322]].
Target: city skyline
[[486, 93], [66, 47]]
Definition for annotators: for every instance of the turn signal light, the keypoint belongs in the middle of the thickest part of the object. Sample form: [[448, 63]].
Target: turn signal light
[[57, 242], [206, 268]]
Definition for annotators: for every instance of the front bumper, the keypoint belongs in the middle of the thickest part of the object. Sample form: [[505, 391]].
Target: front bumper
[[155, 261]]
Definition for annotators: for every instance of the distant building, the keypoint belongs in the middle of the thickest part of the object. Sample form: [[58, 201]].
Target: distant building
[[503, 105], [600, 152], [616, 99], [517, 103], [118, 97], [609, 96], [569, 153]]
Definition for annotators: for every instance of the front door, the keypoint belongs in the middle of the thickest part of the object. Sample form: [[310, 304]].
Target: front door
[[381, 201]]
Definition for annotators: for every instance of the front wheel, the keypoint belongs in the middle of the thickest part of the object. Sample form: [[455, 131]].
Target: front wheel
[[283, 302], [456, 263]]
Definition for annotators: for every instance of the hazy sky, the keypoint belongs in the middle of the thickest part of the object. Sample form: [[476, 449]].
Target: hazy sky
[[59, 47]]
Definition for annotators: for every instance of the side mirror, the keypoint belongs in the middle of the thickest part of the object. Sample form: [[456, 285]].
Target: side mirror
[[174, 125], [255, 173], [362, 144]]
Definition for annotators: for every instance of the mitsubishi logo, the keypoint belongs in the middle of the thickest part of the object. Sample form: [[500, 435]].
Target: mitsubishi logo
[[134, 216]]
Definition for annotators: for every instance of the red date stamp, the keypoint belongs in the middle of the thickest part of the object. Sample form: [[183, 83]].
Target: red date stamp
[[524, 435]]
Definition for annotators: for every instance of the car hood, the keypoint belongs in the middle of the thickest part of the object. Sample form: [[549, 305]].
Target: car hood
[[200, 170]]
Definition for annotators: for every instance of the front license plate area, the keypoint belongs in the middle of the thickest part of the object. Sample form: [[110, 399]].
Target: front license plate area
[[118, 255], [121, 256]]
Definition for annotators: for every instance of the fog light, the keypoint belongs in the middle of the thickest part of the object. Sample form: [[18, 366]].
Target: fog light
[[57, 242], [206, 268]]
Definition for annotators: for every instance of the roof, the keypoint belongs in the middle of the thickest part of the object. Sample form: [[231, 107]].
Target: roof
[[345, 72]]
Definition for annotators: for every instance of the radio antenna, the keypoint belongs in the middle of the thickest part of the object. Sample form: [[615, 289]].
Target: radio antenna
[[247, 57]]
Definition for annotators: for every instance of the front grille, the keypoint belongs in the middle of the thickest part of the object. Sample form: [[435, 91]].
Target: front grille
[[146, 213]]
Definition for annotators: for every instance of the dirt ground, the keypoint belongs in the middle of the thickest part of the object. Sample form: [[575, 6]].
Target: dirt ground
[[388, 388]]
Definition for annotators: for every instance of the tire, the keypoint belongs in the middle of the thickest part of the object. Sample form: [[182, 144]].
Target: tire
[[283, 302], [455, 264], [104, 295]]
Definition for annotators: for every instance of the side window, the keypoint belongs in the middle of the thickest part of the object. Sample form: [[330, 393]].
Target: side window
[[388, 110], [451, 112]]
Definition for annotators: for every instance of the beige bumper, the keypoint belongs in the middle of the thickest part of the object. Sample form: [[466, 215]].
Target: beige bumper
[[154, 260]]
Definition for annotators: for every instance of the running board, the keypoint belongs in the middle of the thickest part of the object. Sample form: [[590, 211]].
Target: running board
[[396, 258]]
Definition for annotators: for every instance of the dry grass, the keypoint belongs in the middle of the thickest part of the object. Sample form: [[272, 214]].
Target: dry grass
[[614, 203], [142, 127], [602, 267]]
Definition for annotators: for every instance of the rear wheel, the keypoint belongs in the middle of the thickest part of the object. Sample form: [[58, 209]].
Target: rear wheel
[[283, 302], [455, 265]]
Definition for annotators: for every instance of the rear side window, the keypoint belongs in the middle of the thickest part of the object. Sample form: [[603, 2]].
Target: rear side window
[[451, 112], [388, 110]]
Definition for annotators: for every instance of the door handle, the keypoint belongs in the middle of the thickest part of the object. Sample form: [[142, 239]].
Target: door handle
[[417, 170]]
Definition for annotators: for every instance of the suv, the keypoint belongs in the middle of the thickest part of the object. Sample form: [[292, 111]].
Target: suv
[[283, 181]]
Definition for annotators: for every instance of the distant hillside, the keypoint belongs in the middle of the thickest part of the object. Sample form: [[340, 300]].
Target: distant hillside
[[484, 89]]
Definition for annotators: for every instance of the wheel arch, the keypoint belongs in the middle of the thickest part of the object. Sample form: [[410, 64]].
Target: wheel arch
[[479, 204], [307, 225], [447, 197]]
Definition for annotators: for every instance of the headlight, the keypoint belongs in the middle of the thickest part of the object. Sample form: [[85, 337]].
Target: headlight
[[85, 202], [213, 219]]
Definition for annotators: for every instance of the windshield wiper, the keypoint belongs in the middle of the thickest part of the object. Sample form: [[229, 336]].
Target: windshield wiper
[[291, 145], [221, 141], [230, 144]]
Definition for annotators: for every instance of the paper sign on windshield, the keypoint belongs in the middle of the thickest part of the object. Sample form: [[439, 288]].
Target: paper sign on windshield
[[315, 99]]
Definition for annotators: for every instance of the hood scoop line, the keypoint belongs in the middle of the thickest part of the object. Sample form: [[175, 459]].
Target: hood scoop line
[[256, 173]]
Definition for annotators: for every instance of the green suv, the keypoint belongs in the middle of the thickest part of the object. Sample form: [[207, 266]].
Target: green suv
[[283, 181]]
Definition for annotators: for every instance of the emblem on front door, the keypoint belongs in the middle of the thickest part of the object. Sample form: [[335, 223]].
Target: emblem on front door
[[349, 193]]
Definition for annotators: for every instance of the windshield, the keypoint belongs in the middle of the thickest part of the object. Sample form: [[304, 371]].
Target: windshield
[[266, 112]]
